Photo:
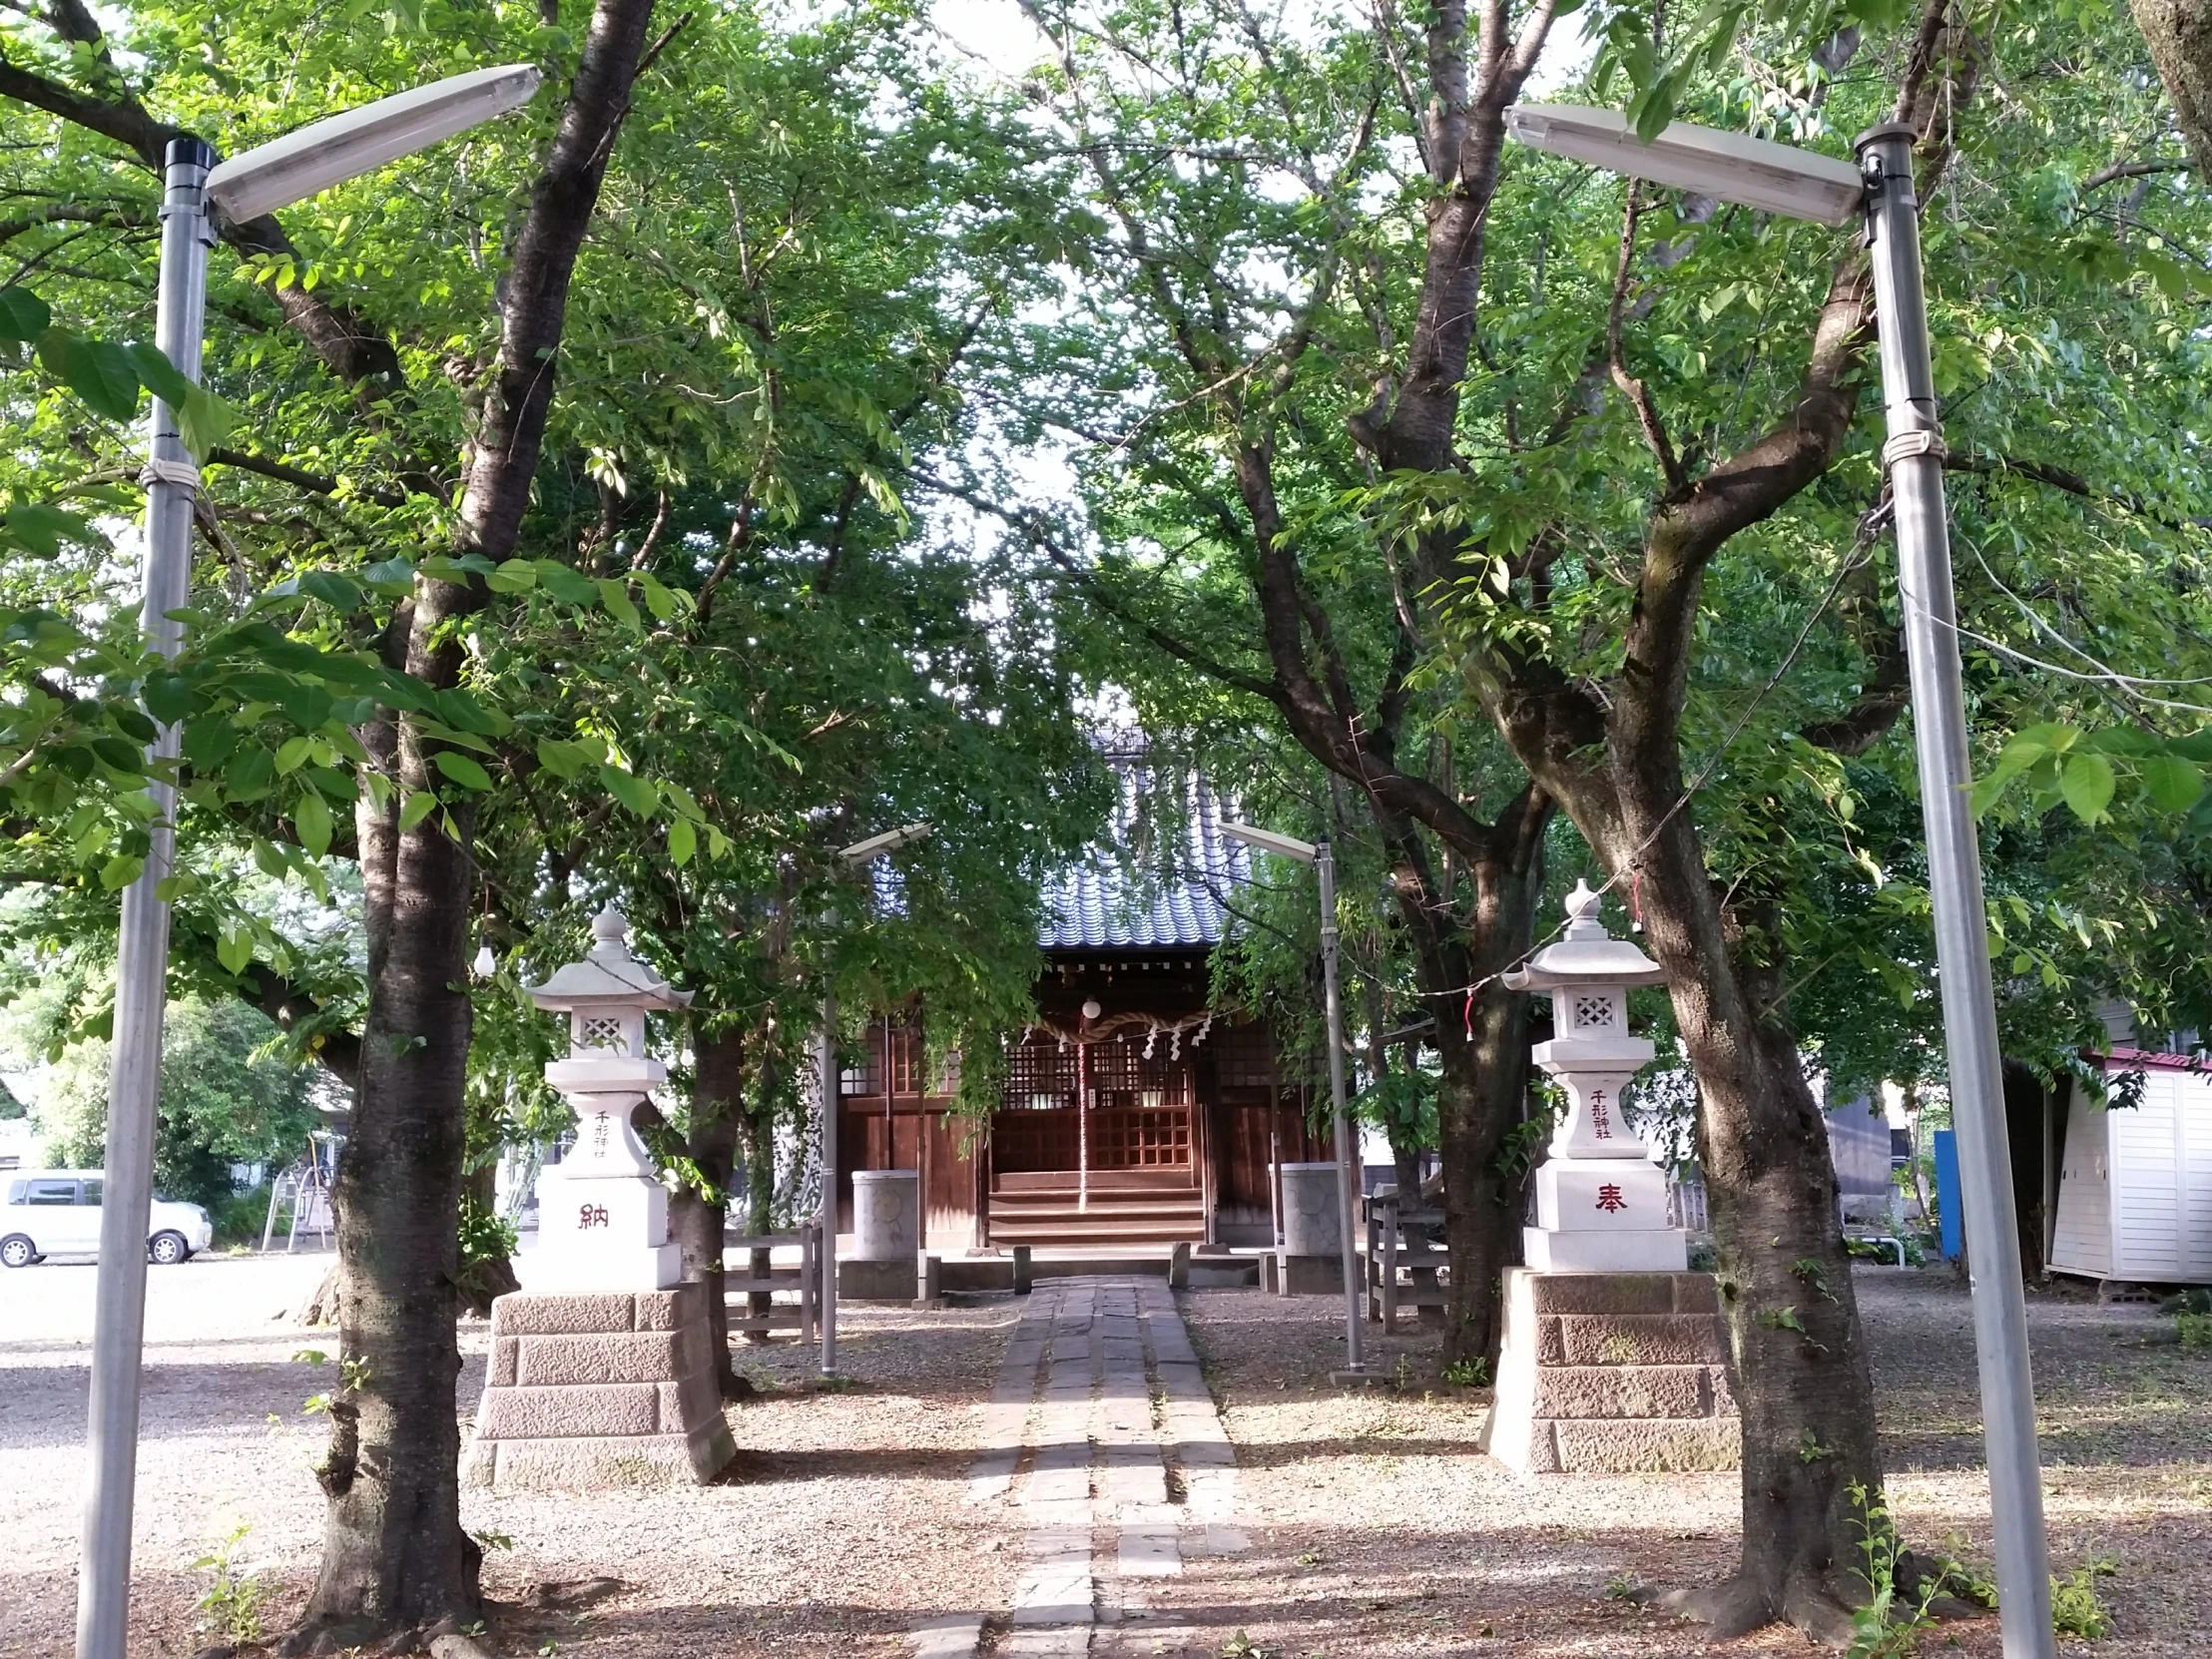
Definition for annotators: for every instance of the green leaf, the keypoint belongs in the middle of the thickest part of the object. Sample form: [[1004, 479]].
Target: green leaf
[[249, 776], [393, 578], [2172, 783], [682, 840], [631, 790], [310, 815], [234, 948], [23, 314], [169, 697], [341, 593], [658, 599], [41, 529], [463, 770], [2087, 783], [566, 585], [203, 422], [120, 871], [100, 372], [291, 754], [563, 760], [420, 805], [515, 576], [157, 374], [616, 596]]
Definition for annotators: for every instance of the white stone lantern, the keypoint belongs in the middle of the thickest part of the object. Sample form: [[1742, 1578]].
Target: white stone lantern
[[602, 1213], [1601, 1204]]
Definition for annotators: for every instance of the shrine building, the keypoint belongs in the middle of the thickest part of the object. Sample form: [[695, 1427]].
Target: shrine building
[[1134, 1116]]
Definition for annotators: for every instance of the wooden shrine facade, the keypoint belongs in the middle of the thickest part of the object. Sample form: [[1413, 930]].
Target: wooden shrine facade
[[1153, 1120]]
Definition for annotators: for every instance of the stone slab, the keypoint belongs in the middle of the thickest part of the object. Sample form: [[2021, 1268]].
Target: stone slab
[[1309, 1275], [673, 1309], [615, 1357], [1626, 1445], [1664, 1249], [585, 1463], [609, 1408], [524, 1313], [1624, 1391], [878, 1280], [1630, 1340]]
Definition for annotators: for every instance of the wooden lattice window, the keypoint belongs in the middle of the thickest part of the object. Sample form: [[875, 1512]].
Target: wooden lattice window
[[1244, 1057], [1040, 1075]]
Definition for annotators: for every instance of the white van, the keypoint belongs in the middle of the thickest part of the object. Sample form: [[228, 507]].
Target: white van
[[56, 1212]]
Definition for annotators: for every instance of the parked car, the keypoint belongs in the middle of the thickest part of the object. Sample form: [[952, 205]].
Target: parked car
[[56, 1212]]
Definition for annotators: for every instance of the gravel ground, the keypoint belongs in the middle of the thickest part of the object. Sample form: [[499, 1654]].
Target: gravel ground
[[840, 1523], [1378, 1530], [1377, 1527]]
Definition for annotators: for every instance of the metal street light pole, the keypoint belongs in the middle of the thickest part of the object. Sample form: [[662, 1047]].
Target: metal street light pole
[[298, 164], [1347, 1140], [142, 962], [1914, 456], [1880, 191]]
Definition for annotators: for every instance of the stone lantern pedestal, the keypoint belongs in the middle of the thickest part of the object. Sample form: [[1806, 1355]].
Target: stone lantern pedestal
[[1612, 1358], [603, 1373]]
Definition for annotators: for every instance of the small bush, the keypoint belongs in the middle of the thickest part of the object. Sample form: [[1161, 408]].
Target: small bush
[[1468, 1373], [231, 1606], [2074, 1607], [2195, 1330], [238, 1219]]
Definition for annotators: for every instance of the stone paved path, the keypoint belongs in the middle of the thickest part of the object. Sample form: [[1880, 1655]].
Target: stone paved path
[[1102, 1449]]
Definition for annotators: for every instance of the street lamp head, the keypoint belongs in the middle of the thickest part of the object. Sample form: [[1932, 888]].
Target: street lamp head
[[1267, 841], [1775, 178], [890, 841], [327, 153]]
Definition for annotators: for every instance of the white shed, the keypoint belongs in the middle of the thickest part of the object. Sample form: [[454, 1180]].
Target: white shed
[[2136, 1186]]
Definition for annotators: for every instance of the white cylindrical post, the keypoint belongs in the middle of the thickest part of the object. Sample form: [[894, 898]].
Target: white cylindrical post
[[831, 1104], [1915, 454], [1347, 1144], [142, 965]]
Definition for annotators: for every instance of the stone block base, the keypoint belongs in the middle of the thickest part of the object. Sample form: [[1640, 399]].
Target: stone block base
[[602, 1389], [1655, 1250], [1612, 1373], [878, 1280], [1309, 1275]]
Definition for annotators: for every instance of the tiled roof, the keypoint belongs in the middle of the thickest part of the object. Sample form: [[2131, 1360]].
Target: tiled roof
[[1161, 880]]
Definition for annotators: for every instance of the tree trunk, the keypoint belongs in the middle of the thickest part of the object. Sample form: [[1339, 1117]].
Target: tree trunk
[[394, 1555], [697, 1224], [2027, 1120], [2179, 34], [1797, 1359]]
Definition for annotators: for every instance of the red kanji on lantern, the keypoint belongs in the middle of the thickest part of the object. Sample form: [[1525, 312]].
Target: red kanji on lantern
[[1609, 1198]]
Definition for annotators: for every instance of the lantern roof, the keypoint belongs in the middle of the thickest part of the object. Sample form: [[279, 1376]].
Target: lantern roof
[[1587, 956], [610, 977]]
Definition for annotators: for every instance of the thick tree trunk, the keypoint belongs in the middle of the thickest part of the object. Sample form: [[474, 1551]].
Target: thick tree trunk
[[395, 1555], [1797, 1358], [757, 1133], [697, 1224], [2179, 34]]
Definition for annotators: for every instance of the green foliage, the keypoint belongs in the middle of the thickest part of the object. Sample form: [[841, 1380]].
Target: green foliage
[[1889, 1624], [224, 1099], [2075, 1608], [2194, 1332], [1471, 1373], [230, 1606]]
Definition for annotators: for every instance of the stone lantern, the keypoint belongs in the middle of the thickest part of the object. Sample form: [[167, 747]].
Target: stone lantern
[[603, 1217], [1601, 1204], [602, 1372], [1611, 1358]]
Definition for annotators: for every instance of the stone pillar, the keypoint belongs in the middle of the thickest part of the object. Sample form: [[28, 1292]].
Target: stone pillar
[[1311, 1261], [603, 1373], [1612, 1358], [886, 1236]]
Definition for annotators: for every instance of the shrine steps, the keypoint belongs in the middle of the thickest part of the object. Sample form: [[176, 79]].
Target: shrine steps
[[1114, 1217]]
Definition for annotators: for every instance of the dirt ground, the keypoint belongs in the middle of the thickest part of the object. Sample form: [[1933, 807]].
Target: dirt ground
[[1376, 1527]]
